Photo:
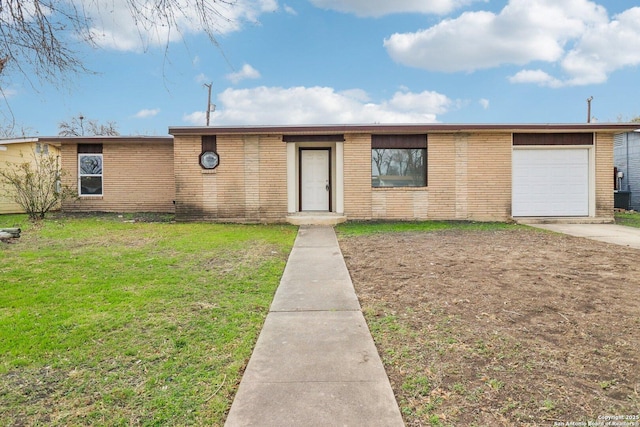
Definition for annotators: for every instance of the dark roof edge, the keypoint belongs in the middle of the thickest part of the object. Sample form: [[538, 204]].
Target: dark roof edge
[[103, 139], [404, 128]]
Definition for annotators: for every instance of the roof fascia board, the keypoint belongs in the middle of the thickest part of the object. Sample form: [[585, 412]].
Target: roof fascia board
[[18, 141], [107, 139], [404, 128]]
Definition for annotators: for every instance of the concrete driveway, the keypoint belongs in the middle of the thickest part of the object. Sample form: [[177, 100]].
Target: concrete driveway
[[610, 233]]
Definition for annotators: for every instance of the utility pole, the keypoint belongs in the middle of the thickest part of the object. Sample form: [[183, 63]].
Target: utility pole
[[208, 102], [589, 99]]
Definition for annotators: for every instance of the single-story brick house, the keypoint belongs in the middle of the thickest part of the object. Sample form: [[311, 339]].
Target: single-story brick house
[[341, 172]]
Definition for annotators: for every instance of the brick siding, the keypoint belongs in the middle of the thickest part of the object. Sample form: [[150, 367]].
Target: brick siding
[[468, 178], [604, 176], [249, 185], [137, 177]]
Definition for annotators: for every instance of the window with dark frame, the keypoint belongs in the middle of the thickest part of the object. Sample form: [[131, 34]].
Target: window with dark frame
[[399, 160], [90, 171]]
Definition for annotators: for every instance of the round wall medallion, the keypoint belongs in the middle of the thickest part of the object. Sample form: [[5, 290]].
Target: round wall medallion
[[209, 160]]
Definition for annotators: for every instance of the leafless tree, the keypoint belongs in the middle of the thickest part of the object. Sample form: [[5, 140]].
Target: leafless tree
[[80, 126], [34, 184], [9, 129], [39, 37]]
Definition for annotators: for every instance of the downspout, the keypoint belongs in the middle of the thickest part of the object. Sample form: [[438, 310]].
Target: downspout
[[58, 175]]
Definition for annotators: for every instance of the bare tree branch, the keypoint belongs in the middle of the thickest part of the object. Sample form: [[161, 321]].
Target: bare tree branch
[[34, 184], [80, 126], [40, 37]]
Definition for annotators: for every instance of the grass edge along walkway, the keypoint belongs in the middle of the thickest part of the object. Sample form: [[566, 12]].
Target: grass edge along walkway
[[107, 321]]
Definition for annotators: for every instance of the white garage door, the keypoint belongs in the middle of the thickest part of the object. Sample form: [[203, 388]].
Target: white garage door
[[550, 182]]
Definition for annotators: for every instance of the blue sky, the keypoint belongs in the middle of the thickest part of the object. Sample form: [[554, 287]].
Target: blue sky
[[354, 61]]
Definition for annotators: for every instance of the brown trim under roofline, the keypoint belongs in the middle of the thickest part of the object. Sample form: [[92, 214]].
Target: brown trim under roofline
[[89, 148], [552, 139], [108, 139], [406, 128], [409, 141], [313, 138]]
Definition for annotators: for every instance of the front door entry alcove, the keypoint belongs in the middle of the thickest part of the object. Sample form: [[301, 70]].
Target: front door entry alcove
[[315, 182]]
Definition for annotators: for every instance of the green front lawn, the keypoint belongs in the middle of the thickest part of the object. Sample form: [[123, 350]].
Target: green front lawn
[[630, 219], [106, 321], [361, 228]]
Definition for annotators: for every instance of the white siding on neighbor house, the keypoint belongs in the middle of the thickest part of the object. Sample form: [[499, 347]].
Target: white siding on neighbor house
[[626, 152]]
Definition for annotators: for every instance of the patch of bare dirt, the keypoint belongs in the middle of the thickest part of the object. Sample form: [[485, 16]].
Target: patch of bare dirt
[[508, 327]]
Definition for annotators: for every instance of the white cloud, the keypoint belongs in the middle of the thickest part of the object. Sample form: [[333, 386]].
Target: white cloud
[[539, 77], [484, 103], [115, 28], [356, 94], [8, 93], [290, 10], [603, 49], [146, 113], [432, 102], [376, 8], [197, 118], [202, 78], [524, 31], [320, 105], [575, 36], [247, 72]]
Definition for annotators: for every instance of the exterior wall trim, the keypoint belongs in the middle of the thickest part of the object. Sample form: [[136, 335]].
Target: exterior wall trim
[[291, 130]]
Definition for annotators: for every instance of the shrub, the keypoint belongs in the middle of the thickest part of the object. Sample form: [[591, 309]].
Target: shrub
[[34, 184]]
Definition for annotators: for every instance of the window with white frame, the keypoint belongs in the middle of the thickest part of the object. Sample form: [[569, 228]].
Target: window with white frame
[[90, 170]]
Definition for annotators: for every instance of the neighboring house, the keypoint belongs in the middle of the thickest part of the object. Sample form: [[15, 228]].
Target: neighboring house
[[17, 151], [334, 173], [626, 154]]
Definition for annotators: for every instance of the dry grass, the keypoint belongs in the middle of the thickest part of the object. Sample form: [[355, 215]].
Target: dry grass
[[505, 327]]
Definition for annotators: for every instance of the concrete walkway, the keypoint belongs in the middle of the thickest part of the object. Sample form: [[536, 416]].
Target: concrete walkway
[[315, 363], [610, 233]]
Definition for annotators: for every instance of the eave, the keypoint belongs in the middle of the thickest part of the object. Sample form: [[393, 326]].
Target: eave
[[405, 128]]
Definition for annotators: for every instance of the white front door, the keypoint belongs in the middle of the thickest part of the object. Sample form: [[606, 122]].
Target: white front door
[[314, 180]]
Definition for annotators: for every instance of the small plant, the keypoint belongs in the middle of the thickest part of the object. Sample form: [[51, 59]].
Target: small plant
[[548, 405], [509, 407], [495, 384], [475, 395], [34, 185], [434, 420], [607, 384], [417, 386], [459, 388], [481, 347]]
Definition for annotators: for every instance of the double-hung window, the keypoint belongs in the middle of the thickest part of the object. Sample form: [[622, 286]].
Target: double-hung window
[[399, 160], [90, 169]]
